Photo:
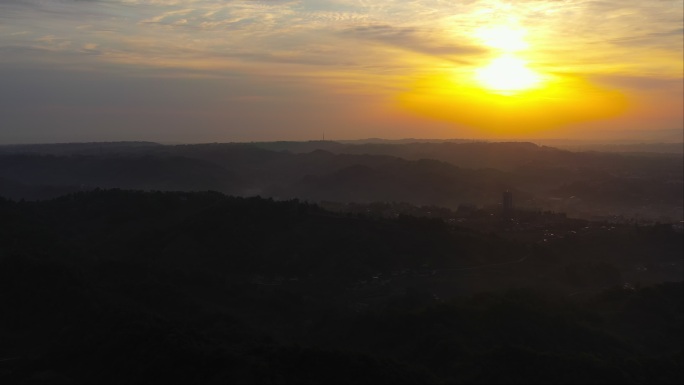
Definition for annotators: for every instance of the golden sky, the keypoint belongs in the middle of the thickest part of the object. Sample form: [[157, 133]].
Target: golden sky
[[201, 70]]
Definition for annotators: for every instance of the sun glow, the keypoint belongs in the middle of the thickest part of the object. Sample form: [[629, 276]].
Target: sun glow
[[562, 100], [506, 96], [506, 39], [507, 75]]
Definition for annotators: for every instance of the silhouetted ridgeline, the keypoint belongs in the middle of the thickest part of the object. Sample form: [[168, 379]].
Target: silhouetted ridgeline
[[92, 148], [115, 286], [587, 185]]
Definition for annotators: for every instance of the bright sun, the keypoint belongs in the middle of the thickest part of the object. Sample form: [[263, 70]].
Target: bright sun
[[507, 91], [507, 74]]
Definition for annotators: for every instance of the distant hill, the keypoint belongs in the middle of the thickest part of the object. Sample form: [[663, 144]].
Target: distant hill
[[585, 184], [637, 148], [92, 148], [85, 172]]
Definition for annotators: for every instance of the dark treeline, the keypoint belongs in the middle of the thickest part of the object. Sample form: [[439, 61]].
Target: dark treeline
[[584, 184], [115, 286]]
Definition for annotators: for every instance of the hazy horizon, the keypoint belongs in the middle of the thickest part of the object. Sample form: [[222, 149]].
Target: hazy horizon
[[637, 137]]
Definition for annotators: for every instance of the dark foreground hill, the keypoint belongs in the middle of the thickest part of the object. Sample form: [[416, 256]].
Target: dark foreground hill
[[131, 287]]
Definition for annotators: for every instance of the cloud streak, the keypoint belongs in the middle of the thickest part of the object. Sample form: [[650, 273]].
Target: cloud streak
[[278, 29]]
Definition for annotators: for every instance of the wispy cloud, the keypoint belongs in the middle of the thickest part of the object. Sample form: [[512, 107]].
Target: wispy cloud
[[340, 46], [284, 30]]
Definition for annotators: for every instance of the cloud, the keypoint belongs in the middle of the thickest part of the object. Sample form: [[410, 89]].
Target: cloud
[[90, 48], [411, 39], [638, 82], [595, 32], [664, 39], [164, 17]]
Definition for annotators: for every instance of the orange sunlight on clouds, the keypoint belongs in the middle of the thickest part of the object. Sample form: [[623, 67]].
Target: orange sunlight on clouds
[[563, 100]]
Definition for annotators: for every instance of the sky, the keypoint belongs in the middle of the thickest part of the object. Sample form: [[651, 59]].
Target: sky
[[194, 71]]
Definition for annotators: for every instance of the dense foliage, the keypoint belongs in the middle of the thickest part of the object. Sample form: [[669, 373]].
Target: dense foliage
[[115, 286]]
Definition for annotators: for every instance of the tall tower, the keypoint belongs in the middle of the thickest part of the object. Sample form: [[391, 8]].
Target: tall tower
[[507, 204]]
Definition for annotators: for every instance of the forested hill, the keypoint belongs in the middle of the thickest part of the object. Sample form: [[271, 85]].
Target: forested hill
[[587, 185], [114, 286]]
